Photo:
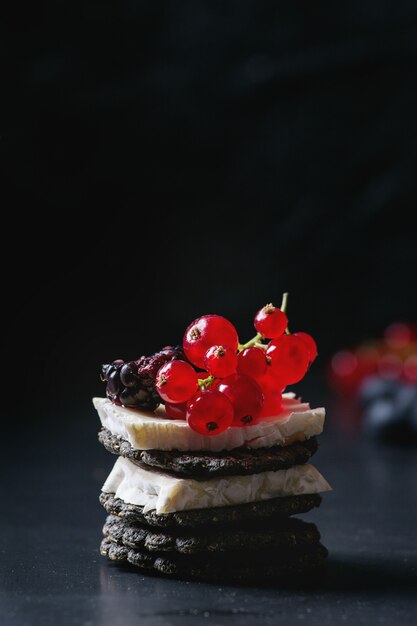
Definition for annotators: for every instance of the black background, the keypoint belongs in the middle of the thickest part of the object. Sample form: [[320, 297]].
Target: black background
[[162, 160]]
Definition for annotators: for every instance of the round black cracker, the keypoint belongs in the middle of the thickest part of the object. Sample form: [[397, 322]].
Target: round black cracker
[[200, 463], [227, 515], [267, 567], [115, 551], [284, 534]]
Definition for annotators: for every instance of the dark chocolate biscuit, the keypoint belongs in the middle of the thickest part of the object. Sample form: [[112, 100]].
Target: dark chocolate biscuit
[[201, 463], [283, 534], [225, 515], [271, 566]]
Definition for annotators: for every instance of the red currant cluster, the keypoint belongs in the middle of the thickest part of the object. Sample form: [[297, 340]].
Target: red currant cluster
[[392, 358], [226, 383]]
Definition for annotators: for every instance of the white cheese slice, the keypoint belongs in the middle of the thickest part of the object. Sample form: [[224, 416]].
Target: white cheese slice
[[165, 494], [152, 431]]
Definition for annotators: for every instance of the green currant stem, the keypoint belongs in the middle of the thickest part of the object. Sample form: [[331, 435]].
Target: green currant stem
[[284, 308], [205, 382], [250, 343]]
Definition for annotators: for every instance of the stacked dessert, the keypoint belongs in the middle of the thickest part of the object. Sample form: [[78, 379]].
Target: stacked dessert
[[213, 457]]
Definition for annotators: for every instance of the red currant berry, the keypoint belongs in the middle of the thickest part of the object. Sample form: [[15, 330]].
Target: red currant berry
[[400, 335], [311, 344], [205, 332], [368, 357], [272, 405], [209, 412], [252, 362], [270, 322], [176, 381], [289, 358], [221, 361], [410, 369], [245, 395], [344, 371], [270, 383], [390, 366], [176, 411]]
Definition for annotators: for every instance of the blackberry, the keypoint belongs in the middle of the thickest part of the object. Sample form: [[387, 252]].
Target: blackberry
[[148, 366], [132, 384]]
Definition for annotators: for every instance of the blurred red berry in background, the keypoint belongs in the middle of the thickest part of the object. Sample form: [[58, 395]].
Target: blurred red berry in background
[[376, 385]]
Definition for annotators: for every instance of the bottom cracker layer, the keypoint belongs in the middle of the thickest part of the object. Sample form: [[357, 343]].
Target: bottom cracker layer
[[270, 566], [270, 534]]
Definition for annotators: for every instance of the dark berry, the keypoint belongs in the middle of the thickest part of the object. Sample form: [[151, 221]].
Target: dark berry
[[113, 384], [127, 377], [133, 384]]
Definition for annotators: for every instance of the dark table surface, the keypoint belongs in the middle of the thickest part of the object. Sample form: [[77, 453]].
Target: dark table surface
[[51, 571]]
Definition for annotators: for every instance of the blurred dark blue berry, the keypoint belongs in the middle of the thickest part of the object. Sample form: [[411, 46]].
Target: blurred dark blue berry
[[390, 409]]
